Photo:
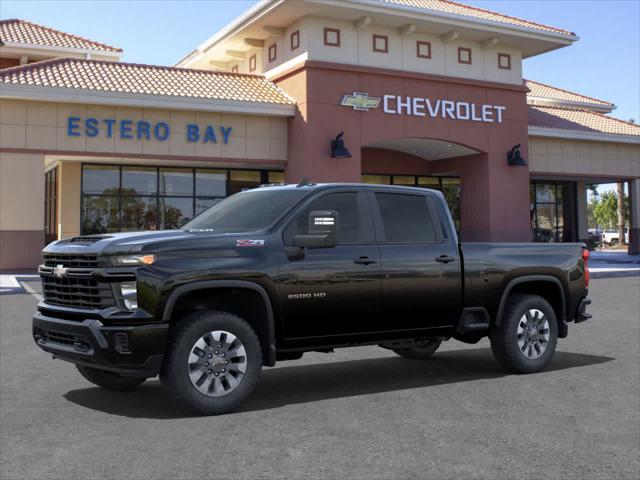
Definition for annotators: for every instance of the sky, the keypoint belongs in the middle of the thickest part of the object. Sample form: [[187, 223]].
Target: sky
[[604, 63]]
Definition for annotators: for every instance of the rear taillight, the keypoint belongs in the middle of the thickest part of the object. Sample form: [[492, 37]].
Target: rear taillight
[[585, 257]]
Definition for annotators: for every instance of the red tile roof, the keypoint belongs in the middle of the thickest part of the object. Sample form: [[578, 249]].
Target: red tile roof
[[579, 120], [444, 6], [118, 77], [29, 33], [537, 89]]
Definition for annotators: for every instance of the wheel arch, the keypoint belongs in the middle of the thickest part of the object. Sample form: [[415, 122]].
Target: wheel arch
[[262, 322], [546, 286]]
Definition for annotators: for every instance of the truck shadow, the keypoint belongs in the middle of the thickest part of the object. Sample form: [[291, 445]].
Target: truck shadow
[[290, 385]]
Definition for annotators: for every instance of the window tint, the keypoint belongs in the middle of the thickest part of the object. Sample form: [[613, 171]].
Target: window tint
[[405, 218], [351, 228]]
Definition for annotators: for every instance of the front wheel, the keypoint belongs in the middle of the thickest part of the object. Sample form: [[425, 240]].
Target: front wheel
[[213, 363], [109, 380], [526, 339]]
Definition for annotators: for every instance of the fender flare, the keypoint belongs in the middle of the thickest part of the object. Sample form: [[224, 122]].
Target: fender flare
[[270, 350], [533, 278]]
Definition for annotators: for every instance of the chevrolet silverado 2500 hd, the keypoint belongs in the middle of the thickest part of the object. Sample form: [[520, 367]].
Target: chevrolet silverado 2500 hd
[[271, 273]]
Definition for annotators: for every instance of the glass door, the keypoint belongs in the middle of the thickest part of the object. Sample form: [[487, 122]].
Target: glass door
[[553, 211]]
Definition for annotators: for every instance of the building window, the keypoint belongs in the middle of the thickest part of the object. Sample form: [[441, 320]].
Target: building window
[[449, 186], [234, 69], [129, 198], [331, 37], [423, 49], [380, 43], [504, 61], [252, 63], [51, 206], [553, 211], [464, 55], [295, 40], [273, 52]]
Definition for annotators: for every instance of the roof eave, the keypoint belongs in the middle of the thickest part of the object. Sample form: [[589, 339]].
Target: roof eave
[[76, 95], [550, 102], [51, 48], [535, 131]]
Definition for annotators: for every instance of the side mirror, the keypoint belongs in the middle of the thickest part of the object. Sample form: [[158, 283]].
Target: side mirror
[[323, 230]]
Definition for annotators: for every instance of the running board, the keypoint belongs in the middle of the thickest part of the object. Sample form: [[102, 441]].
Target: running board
[[473, 320]]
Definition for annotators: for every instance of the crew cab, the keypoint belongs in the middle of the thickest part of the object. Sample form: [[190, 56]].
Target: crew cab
[[270, 273]]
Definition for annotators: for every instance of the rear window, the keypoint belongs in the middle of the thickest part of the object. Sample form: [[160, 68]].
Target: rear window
[[406, 218]]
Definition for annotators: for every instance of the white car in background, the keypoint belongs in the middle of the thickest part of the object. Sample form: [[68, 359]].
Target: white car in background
[[611, 237]]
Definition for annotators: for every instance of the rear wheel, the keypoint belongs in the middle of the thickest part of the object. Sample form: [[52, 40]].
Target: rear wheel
[[213, 363], [109, 380], [419, 351], [526, 339]]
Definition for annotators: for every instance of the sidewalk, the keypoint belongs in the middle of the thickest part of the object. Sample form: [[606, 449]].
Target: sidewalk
[[613, 264]]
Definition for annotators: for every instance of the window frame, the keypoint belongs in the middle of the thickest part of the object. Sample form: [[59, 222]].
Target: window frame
[[157, 196], [253, 63], [326, 39], [507, 56], [423, 43], [429, 200], [363, 207], [273, 52], [374, 38], [460, 60], [295, 44]]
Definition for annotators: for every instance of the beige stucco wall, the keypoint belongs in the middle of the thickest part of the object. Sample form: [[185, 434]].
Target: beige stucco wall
[[21, 191], [69, 199], [43, 126], [579, 157]]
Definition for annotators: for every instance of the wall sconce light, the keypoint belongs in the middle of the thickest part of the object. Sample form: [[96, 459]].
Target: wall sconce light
[[514, 159], [338, 150]]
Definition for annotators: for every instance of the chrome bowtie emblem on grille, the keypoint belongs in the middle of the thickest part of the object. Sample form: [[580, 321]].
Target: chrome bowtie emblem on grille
[[60, 271], [360, 101]]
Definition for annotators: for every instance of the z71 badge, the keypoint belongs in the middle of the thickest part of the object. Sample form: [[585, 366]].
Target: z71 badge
[[249, 243]]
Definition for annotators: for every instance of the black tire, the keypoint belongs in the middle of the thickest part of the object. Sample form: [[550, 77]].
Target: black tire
[[109, 380], [419, 352], [174, 373], [504, 338]]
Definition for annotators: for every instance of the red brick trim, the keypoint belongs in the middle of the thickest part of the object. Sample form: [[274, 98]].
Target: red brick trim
[[311, 64], [461, 59], [327, 31], [273, 52], [507, 61], [252, 63], [295, 40], [420, 45], [374, 41]]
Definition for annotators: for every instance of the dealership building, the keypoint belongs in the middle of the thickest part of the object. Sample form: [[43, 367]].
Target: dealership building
[[428, 93]]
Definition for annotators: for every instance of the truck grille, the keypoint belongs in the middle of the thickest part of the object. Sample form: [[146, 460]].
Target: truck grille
[[70, 260], [76, 292]]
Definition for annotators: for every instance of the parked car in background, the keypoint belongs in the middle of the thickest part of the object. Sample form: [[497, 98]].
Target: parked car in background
[[612, 237]]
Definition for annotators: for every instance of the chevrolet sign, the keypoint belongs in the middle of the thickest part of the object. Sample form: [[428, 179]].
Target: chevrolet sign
[[360, 101]]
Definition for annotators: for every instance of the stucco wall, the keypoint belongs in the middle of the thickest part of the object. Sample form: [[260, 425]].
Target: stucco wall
[[43, 126], [579, 157]]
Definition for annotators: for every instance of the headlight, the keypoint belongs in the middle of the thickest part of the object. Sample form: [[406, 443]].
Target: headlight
[[129, 291], [135, 260]]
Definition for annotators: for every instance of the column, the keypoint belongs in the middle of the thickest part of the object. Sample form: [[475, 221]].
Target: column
[[634, 220], [582, 224]]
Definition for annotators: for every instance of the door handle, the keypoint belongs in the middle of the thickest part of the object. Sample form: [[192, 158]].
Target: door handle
[[445, 259], [363, 261]]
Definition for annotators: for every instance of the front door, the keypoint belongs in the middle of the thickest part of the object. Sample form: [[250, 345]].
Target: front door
[[420, 265], [329, 292]]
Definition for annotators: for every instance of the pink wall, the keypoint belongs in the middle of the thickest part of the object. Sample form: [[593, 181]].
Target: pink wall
[[495, 197]]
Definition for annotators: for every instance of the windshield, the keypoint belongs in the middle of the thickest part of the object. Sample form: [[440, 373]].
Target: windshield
[[247, 211]]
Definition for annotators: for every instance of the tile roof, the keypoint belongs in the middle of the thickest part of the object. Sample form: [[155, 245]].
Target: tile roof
[[579, 120], [118, 77], [444, 6], [21, 31], [537, 89]]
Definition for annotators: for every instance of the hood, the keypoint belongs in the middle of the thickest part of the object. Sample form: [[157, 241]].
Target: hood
[[144, 242]]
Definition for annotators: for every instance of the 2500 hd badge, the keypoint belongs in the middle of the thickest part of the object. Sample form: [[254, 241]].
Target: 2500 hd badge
[[205, 313]]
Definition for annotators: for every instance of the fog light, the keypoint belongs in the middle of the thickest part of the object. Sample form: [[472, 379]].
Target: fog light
[[129, 291]]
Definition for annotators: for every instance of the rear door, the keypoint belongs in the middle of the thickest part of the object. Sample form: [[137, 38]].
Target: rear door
[[329, 292], [420, 265]]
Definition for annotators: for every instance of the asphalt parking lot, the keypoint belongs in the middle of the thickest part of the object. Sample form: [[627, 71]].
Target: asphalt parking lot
[[357, 413]]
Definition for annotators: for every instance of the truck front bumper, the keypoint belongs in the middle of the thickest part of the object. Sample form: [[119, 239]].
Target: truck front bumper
[[135, 351]]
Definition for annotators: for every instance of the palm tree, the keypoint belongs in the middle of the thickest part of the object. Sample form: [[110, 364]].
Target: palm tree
[[621, 213]]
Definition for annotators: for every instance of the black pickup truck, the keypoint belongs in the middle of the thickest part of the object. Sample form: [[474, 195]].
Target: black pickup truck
[[273, 272]]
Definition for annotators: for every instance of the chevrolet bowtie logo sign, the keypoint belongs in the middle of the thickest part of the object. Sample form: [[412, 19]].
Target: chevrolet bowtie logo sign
[[360, 101]]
